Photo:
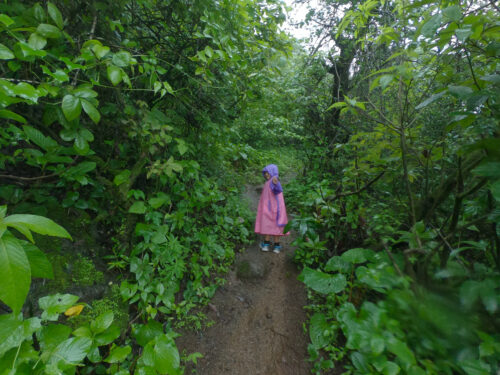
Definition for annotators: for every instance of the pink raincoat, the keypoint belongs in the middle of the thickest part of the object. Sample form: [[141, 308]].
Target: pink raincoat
[[271, 213]]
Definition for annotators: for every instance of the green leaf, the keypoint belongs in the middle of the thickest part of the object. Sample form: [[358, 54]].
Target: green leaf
[[39, 263], [114, 74], [452, 13], [430, 27], [336, 263], [317, 328], [495, 190], [475, 367], [430, 100], [37, 137], [358, 255], [15, 273], [56, 304], [14, 330], [385, 80], [56, 15], [118, 354], [108, 336], [144, 333], [159, 201], [322, 282], [48, 31], [71, 107], [122, 59], [5, 53], [401, 350], [6, 20], [100, 51], [102, 322], [463, 34], [377, 344], [162, 354], [37, 42], [92, 111], [391, 368], [459, 91], [6, 114], [52, 335], [70, 352], [137, 208], [121, 177], [37, 224], [488, 169]]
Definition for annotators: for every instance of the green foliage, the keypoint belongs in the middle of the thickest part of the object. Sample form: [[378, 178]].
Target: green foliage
[[403, 172]]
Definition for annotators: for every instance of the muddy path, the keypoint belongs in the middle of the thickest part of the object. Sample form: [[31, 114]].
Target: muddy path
[[258, 317]]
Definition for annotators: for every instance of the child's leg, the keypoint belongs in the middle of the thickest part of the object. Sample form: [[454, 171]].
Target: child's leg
[[277, 246], [264, 245]]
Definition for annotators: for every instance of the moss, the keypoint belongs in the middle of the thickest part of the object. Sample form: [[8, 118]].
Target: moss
[[112, 301], [84, 272]]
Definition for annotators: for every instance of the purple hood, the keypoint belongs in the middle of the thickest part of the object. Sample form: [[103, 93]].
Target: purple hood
[[272, 169]]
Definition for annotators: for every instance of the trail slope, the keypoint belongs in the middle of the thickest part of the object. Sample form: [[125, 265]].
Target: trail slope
[[258, 317]]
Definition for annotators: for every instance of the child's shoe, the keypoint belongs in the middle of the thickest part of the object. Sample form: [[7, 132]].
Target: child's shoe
[[264, 246], [277, 248]]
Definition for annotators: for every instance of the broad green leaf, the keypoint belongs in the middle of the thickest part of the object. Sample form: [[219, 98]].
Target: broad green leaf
[[70, 352], [430, 100], [48, 31], [122, 59], [137, 208], [336, 263], [475, 367], [56, 304], [6, 20], [71, 107], [159, 201], [56, 15], [385, 80], [122, 177], [162, 354], [81, 169], [92, 111], [430, 27], [460, 91], [35, 223], [452, 13], [6, 114], [317, 328], [358, 255], [14, 330], [39, 263], [84, 92], [495, 190], [26, 91], [102, 322], [114, 74], [322, 282], [488, 169], [100, 51], [118, 354], [108, 336], [15, 273], [36, 136], [377, 344], [5, 53], [144, 333], [391, 368], [52, 335], [401, 350], [36, 41], [463, 34]]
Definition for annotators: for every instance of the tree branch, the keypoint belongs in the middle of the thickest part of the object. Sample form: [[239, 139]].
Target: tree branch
[[336, 196]]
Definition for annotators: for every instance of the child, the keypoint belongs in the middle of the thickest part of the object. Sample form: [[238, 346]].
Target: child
[[271, 213]]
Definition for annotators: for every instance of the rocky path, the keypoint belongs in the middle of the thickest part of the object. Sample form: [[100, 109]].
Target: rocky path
[[258, 317]]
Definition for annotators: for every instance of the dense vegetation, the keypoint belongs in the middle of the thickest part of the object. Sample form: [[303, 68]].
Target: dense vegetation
[[130, 124]]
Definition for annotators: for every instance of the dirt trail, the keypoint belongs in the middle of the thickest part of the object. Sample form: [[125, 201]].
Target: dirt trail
[[258, 317]]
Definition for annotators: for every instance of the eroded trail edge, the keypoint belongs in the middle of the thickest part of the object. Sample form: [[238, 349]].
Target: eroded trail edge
[[258, 317]]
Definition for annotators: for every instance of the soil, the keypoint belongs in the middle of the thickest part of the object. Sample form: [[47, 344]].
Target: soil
[[258, 317]]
